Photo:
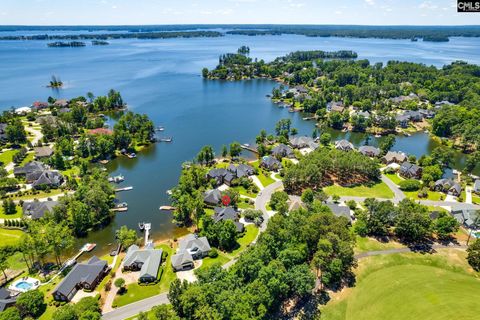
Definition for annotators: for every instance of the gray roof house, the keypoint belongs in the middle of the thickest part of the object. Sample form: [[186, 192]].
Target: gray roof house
[[228, 213], [270, 163], [83, 275], [38, 209], [242, 170], [32, 166], [443, 185], [476, 186], [395, 156], [335, 106], [303, 142], [409, 170], [283, 151], [402, 120], [344, 145], [427, 113], [467, 218], [182, 260], [369, 151], [413, 115], [340, 211], [212, 197], [48, 178], [455, 189], [198, 247], [221, 176], [42, 152], [6, 300], [147, 261]]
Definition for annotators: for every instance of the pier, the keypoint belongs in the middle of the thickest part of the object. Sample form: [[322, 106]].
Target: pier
[[123, 189], [164, 208], [147, 228], [249, 149]]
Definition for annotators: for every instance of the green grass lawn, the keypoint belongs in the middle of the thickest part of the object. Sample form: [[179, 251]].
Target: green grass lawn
[[208, 262], [40, 194], [395, 178], [475, 199], [244, 205], [432, 195], [29, 157], [263, 176], [365, 244], [378, 190], [251, 232], [16, 262], [409, 286], [136, 292], [7, 156], [245, 192], [18, 214], [9, 237]]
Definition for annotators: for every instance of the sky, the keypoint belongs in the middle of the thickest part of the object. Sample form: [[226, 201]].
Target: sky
[[128, 12]]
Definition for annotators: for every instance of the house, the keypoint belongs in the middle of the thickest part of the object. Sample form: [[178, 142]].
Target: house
[[30, 167], [48, 178], [3, 133], [282, 151], [302, 142], [42, 152], [212, 197], [364, 114], [400, 99], [336, 106], [369, 151], [340, 211], [242, 170], [301, 89], [182, 260], [440, 104], [443, 185], [38, 105], [270, 163], [344, 145], [38, 209], [221, 176], [147, 261], [476, 186], [61, 103], [414, 116], [64, 110], [82, 276], [409, 170], [402, 120], [427, 113], [228, 213], [6, 299], [467, 217], [455, 190], [23, 110], [394, 157]]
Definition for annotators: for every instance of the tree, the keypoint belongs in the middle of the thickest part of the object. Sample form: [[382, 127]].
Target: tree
[[410, 185], [10, 314], [126, 237], [4, 263], [206, 155], [473, 255], [308, 196], [227, 235], [387, 143], [325, 138], [9, 207], [120, 284], [31, 303], [235, 149], [224, 151], [15, 132], [445, 225], [164, 312], [66, 312], [205, 72], [279, 201], [282, 128], [413, 223]]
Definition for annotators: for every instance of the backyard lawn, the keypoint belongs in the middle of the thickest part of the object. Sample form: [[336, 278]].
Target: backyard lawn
[[432, 195], [208, 262], [244, 192], [263, 176], [378, 190], [409, 286], [9, 237], [136, 292], [18, 214], [251, 232], [7, 156], [395, 178], [29, 157]]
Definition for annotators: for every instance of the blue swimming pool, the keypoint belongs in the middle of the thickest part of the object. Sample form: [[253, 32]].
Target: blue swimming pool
[[23, 285]]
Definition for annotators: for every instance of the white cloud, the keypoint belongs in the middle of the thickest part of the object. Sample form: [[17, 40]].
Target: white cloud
[[428, 5], [370, 2]]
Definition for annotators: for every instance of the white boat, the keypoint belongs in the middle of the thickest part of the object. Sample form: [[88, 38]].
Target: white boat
[[246, 145], [169, 192], [116, 179]]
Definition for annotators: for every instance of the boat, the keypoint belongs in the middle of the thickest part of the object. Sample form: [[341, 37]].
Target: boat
[[166, 139], [169, 192], [167, 208], [159, 128], [116, 179], [132, 155], [88, 247], [246, 145], [141, 226], [122, 205], [378, 136]]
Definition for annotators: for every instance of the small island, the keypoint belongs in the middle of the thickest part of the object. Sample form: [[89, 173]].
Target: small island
[[100, 43], [60, 44], [55, 83]]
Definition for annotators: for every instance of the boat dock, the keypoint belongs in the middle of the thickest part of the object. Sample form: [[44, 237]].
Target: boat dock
[[249, 149], [147, 227], [124, 189], [164, 208], [122, 209]]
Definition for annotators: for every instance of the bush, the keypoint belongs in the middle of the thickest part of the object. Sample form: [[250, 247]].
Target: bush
[[410, 185], [213, 253]]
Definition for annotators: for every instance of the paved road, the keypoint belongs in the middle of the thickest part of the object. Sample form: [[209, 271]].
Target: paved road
[[398, 194], [261, 202], [402, 250], [135, 308]]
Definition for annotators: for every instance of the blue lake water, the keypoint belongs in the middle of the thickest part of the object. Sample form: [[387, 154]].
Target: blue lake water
[[162, 79]]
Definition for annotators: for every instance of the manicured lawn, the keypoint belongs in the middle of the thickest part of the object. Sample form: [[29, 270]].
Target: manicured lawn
[[409, 286], [378, 190], [7, 156], [9, 237], [251, 232], [40, 194], [432, 195], [208, 262], [365, 244], [16, 262], [475, 199], [244, 205], [136, 292], [263, 176], [18, 214], [395, 178], [29, 157], [245, 192]]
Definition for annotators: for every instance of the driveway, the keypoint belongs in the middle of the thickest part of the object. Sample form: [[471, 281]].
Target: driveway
[[135, 308], [261, 202]]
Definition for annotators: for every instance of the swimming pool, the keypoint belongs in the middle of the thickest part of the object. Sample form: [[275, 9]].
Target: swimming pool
[[24, 285]]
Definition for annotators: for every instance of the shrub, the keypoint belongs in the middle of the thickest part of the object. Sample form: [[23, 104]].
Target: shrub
[[410, 185], [213, 253]]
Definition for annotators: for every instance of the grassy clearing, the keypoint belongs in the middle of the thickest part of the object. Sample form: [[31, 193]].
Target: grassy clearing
[[409, 286], [9, 237], [7, 156], [395, 178], [136, 292], [244, 205], [251, 232], [378, 190], [365, 244], [207, 262], [18, 214], [432, 195]]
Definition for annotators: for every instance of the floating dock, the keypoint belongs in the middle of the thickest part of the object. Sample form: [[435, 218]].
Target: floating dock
[[124, 189], [167, 208]]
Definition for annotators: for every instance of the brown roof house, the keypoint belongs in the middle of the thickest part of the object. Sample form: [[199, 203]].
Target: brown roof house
[[43, 152]]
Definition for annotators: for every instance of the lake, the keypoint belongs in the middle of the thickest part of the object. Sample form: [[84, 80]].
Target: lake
[[162, 79]]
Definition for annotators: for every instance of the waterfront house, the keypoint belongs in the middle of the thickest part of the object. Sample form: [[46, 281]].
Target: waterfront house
[[182, 260], [221, 176], [467, 217], [197, 246], [42, 152], [38, 209], [427, 113], [369, 151], [394, 157], [410, 171], [242, 170], [61, 103], [228, 213], [270, 163], [336, 106], [455, 190], [302, 142], [476, 186], [23, 110], [443, 185], [30, 167], [283, 151], [340, 211], [48, 178], [344, 145], [82, 276], [414, 116], [147, 261], [6, 299], [402, 120], [38, 105], [212, 197]]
